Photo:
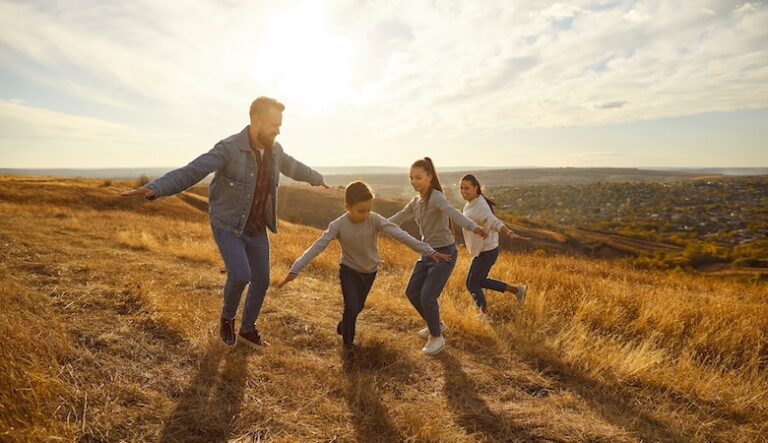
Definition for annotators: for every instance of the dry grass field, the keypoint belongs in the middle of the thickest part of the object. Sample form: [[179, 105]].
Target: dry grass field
[[110, 310]]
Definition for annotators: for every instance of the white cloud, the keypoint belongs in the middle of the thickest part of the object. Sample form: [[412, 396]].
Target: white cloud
[[21, 122], [610, 104], [417, 70], [746, 8]]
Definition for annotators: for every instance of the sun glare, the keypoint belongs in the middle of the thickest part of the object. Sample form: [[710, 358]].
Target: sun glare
[[306, 62]]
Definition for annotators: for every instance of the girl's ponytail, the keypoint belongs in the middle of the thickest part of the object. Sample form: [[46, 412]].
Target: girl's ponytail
[[435, 181]]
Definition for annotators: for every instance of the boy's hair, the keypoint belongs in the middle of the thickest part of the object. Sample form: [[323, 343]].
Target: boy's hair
[[356, 192], [261, 105]]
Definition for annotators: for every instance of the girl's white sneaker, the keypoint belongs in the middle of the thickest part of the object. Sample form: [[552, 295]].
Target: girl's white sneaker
[[424, 333], [435, 345]]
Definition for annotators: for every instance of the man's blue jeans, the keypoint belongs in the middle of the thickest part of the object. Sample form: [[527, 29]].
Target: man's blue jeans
[[246, 259], [477, 277], [426, 284]]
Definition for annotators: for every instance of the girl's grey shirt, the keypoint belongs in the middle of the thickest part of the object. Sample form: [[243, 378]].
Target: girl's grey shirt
[[432, 218], [359, 243]]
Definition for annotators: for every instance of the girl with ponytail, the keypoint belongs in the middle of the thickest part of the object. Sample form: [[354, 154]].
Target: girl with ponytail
[[485, 250], [433, 214]]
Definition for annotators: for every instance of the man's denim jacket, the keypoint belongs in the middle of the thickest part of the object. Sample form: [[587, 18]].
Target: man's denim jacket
[[230, 194]]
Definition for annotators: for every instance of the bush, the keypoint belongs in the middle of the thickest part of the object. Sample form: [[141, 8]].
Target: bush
[[142, 180], [699, 253]]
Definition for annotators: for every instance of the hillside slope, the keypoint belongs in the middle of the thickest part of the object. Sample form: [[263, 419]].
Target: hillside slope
[[110, 334]]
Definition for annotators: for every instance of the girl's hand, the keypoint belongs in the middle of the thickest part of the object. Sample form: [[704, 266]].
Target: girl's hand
[[512, 236], [481, 232], [288, 278], [438, 257]]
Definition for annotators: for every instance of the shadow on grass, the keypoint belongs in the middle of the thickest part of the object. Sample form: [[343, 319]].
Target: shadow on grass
[[606, 400], [370, 416], [212, 399], [471, 412]]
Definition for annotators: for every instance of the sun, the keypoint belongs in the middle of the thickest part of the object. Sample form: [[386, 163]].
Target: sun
[[306, 62]]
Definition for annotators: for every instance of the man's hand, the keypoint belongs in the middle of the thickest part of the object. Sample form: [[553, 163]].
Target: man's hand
[[288, 278], [437, 257], [481, 232], [145, 192]]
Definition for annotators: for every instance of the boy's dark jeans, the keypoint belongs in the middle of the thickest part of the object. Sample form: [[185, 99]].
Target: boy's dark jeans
[[355, 287]]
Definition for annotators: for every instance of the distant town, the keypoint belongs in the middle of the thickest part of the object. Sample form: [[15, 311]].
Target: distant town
[[725, 217]]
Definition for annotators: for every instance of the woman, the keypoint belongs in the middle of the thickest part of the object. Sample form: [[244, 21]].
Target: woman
[[485, 251]]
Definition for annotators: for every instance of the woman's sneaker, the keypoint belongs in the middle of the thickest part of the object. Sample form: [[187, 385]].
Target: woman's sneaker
[[424, 333], [520, 294], [435, 345], [227, 332]]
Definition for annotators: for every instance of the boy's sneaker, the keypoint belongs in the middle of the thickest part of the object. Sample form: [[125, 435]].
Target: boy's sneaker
[[435, 345], [520, 294], [251, 338], [424, 333], [227, 332]]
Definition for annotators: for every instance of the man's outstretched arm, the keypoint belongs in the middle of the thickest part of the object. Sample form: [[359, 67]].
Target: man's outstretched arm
[[300, 172], [182, 178]]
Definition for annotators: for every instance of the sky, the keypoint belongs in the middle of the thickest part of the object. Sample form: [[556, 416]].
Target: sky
[[95, 84]]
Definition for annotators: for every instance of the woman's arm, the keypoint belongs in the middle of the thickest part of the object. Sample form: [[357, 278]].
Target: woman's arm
[[484, 212]]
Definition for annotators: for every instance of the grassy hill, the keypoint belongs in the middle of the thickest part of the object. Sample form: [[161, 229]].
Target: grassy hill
[[109, 327]]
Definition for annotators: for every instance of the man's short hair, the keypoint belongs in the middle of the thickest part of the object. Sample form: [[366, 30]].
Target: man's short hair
[[261, 105]]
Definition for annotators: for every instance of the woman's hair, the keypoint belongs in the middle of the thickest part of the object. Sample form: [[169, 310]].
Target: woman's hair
[[427, 165], [356, 192], [472, 179]]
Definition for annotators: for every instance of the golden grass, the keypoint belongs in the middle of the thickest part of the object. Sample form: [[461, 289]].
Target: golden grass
[[32, 353], [598, 353]]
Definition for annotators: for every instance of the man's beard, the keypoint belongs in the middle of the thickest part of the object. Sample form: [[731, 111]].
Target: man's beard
[[266, 140]]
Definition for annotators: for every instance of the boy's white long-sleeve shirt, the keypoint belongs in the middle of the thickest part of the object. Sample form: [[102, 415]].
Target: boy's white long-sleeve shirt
[[479, 211], [359, 243]]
